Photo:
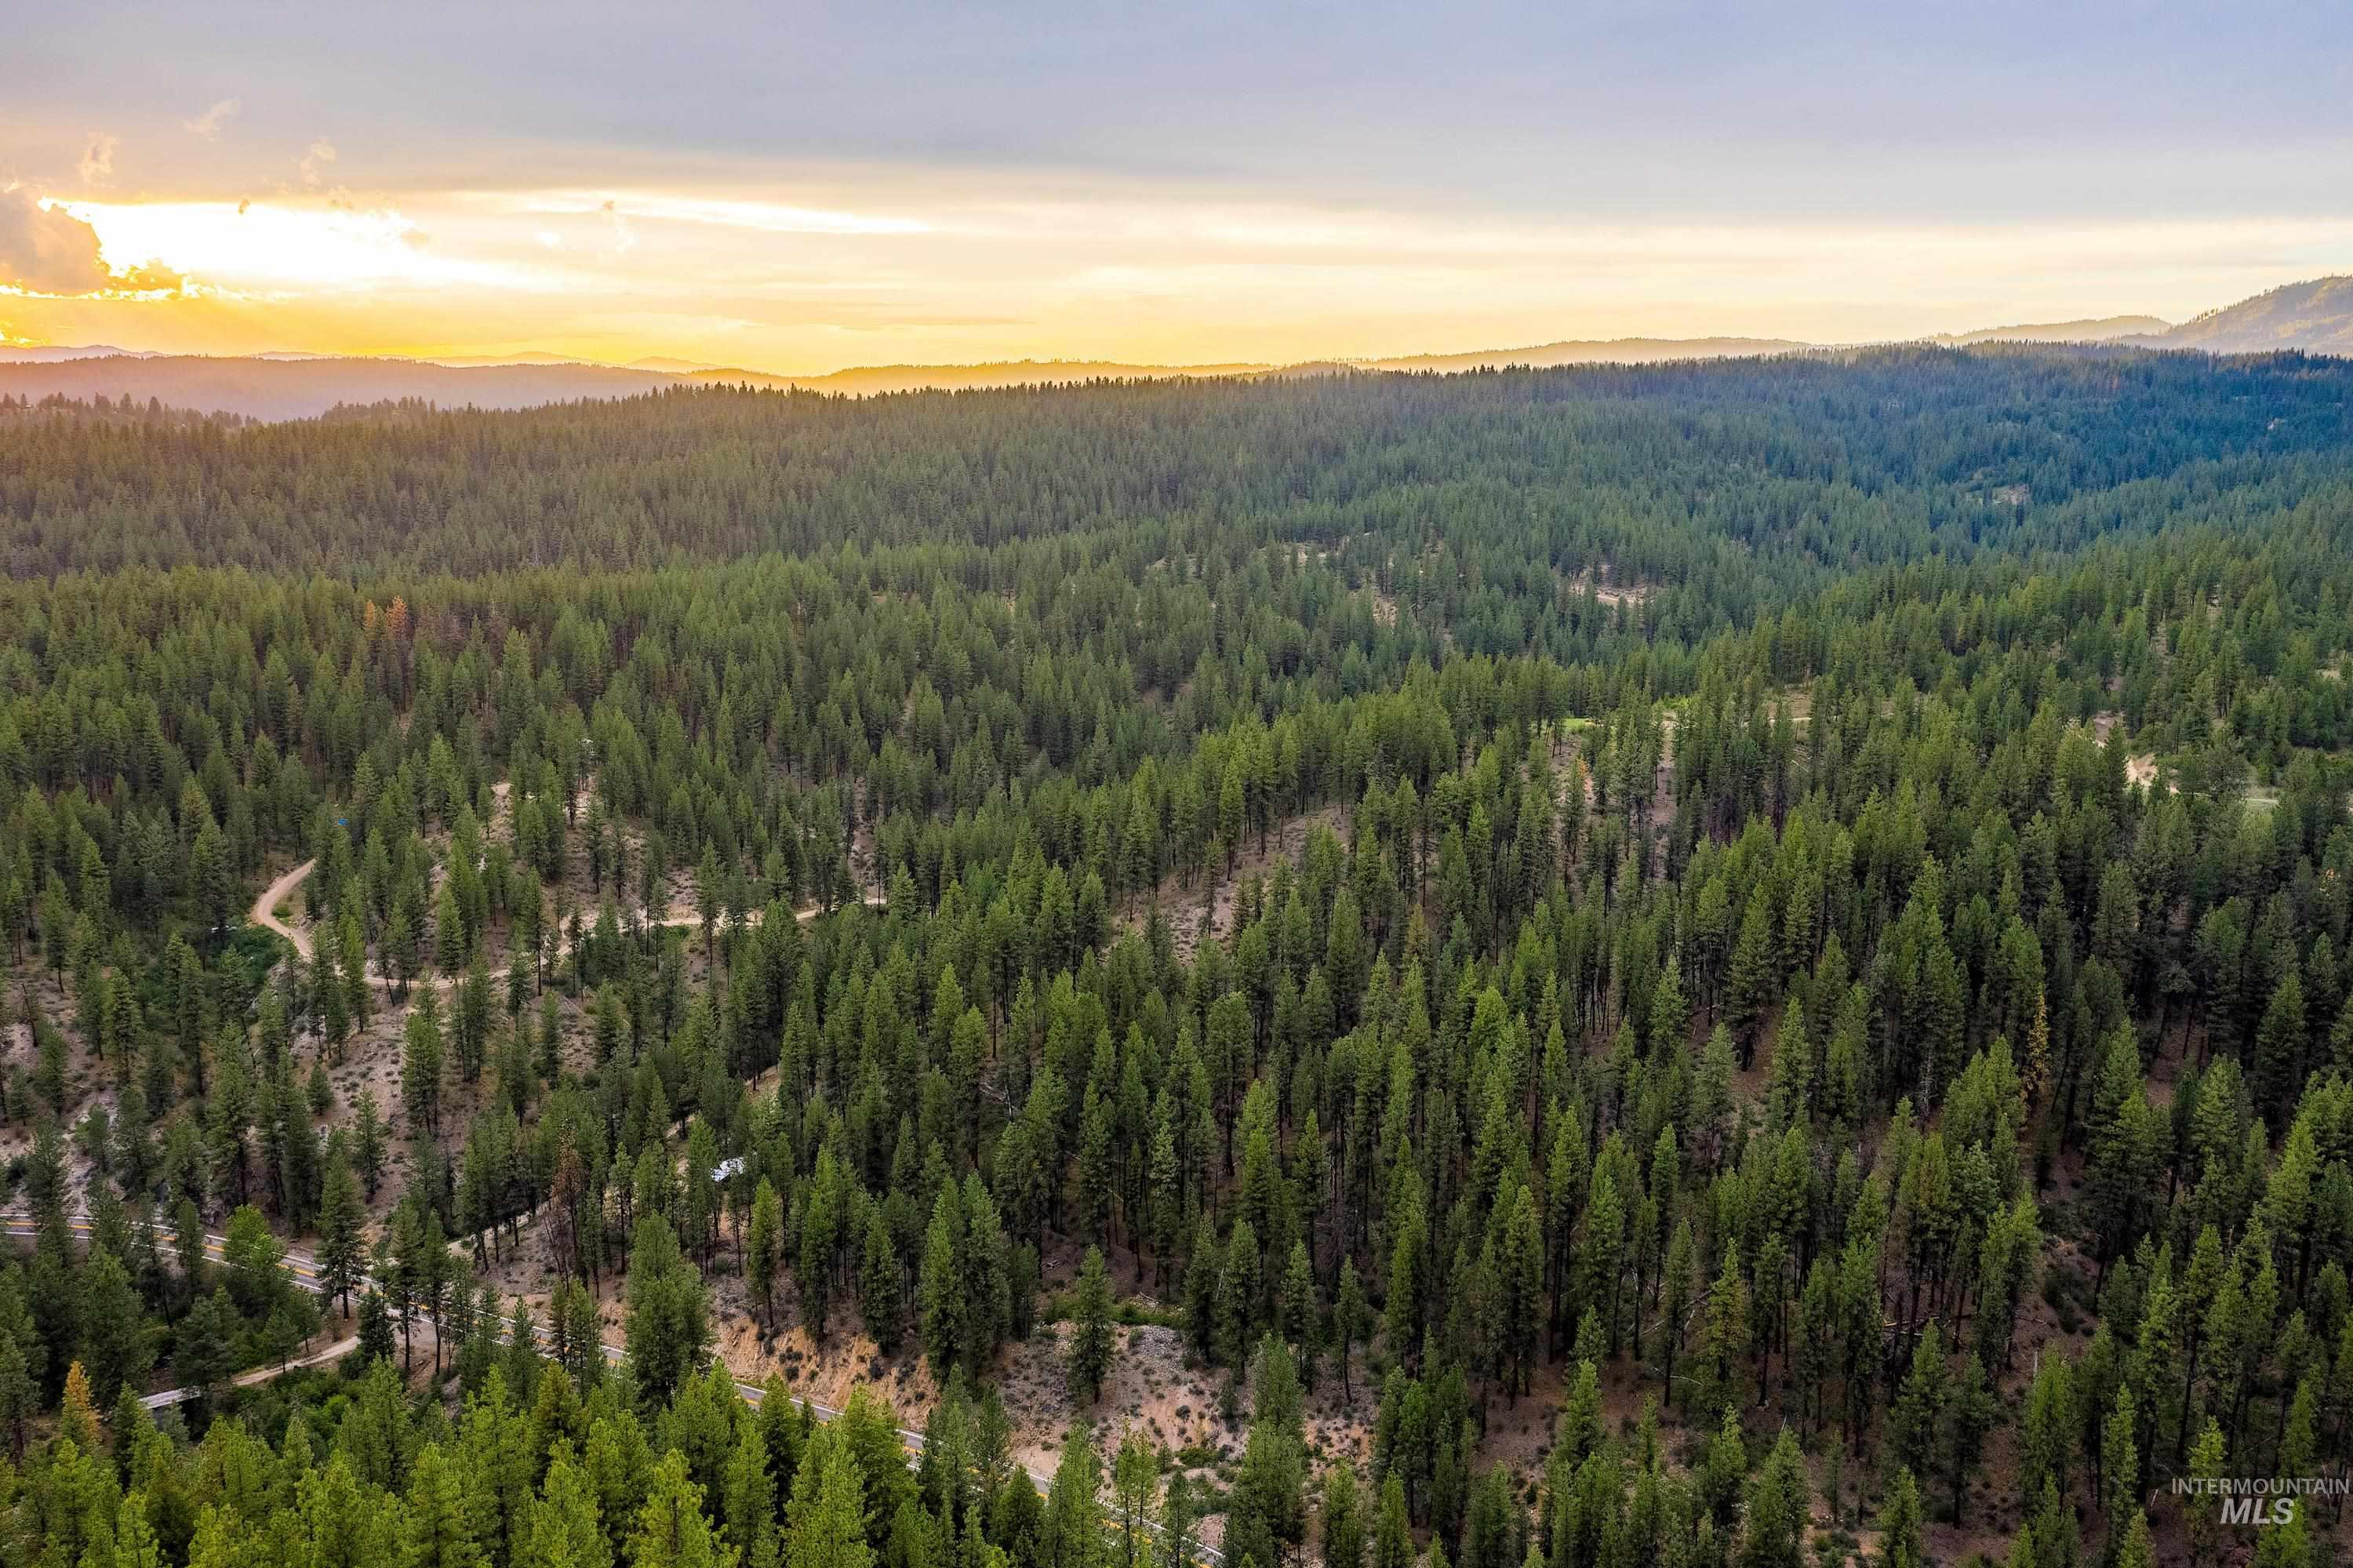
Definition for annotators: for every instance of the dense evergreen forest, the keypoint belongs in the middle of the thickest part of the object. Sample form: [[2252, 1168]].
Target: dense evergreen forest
[[1736, 963]]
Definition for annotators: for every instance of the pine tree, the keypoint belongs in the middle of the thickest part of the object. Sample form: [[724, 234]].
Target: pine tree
[[707, 894], [1179, 1520], [2203, 1508], [376, 1342], [421, 1066], [826, 1520], [671, 1530], [1975, 1411], [1521, 1271], [2120, 1460], [880, 1300], [1723, 1473], [523, 1363], [1727, 1332], [2136, 1550], [1071, 1534], [341, 1245], [1340, 1518], [763, 1251], [1579, 1428], [561, 1525], [1919, 1413], [202, 1353], [1393, 1532], [1093, 1336], [1267, 1514], [116, 1347], [1677, 1284], [368, 1134], [2280, 1041], [1752, 980], [19, 1399], [669, 1328], [940, 1287], [1902, 1543], [2045, 1437], [1779, 1500], [750, 1514], [1352, 1321], [1299, 1311], [441, 1524], [135, 1542], [1238, 1290], [448, 933], [1204, 1269], [1135, 1473]]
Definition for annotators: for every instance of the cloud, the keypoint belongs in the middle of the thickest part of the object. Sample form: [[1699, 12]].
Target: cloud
[[624, 239], [768, 217], [315, 161], [98, 161], [149, 277], [208, 124], [306, 246], [717, 212], [46, 249]]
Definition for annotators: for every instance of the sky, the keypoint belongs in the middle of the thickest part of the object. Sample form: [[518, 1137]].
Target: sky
[[802, 187]]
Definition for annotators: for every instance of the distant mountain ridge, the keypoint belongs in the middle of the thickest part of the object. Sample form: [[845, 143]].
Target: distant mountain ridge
[[2102, 329], [304, 388], [2315, 316], [1596, 351], [47, 354], [871, 380]]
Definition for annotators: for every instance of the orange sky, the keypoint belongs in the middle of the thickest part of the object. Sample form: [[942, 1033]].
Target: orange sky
[[828, 279], [803, 188]]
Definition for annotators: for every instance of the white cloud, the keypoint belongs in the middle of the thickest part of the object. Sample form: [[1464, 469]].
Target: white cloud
[[306, 245], [718, 212], [315, 161], [625, 239], [98, 161], [208, 124], [770, 217], [44, 250]]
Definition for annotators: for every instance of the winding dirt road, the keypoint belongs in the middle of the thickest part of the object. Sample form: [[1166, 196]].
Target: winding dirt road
[[303, 1266], [264, 910], [305, 1269], [264, 913]]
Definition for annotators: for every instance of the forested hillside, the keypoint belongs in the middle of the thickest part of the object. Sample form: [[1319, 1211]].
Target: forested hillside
[[1691, 964]]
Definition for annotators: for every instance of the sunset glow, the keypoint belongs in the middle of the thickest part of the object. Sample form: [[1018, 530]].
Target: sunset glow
[[1421, 199]]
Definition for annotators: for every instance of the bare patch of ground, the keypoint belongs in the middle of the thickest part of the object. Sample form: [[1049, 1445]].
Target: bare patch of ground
[[1605, 587], [1208, 906]]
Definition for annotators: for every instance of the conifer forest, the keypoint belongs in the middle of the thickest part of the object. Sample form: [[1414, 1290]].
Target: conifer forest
[[1730, 965]]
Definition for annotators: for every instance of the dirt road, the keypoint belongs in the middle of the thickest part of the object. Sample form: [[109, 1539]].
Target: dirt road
[[265, 908]]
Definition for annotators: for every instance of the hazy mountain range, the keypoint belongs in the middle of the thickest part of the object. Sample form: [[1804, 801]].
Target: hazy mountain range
[[2315, 316], [2103, 329]]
